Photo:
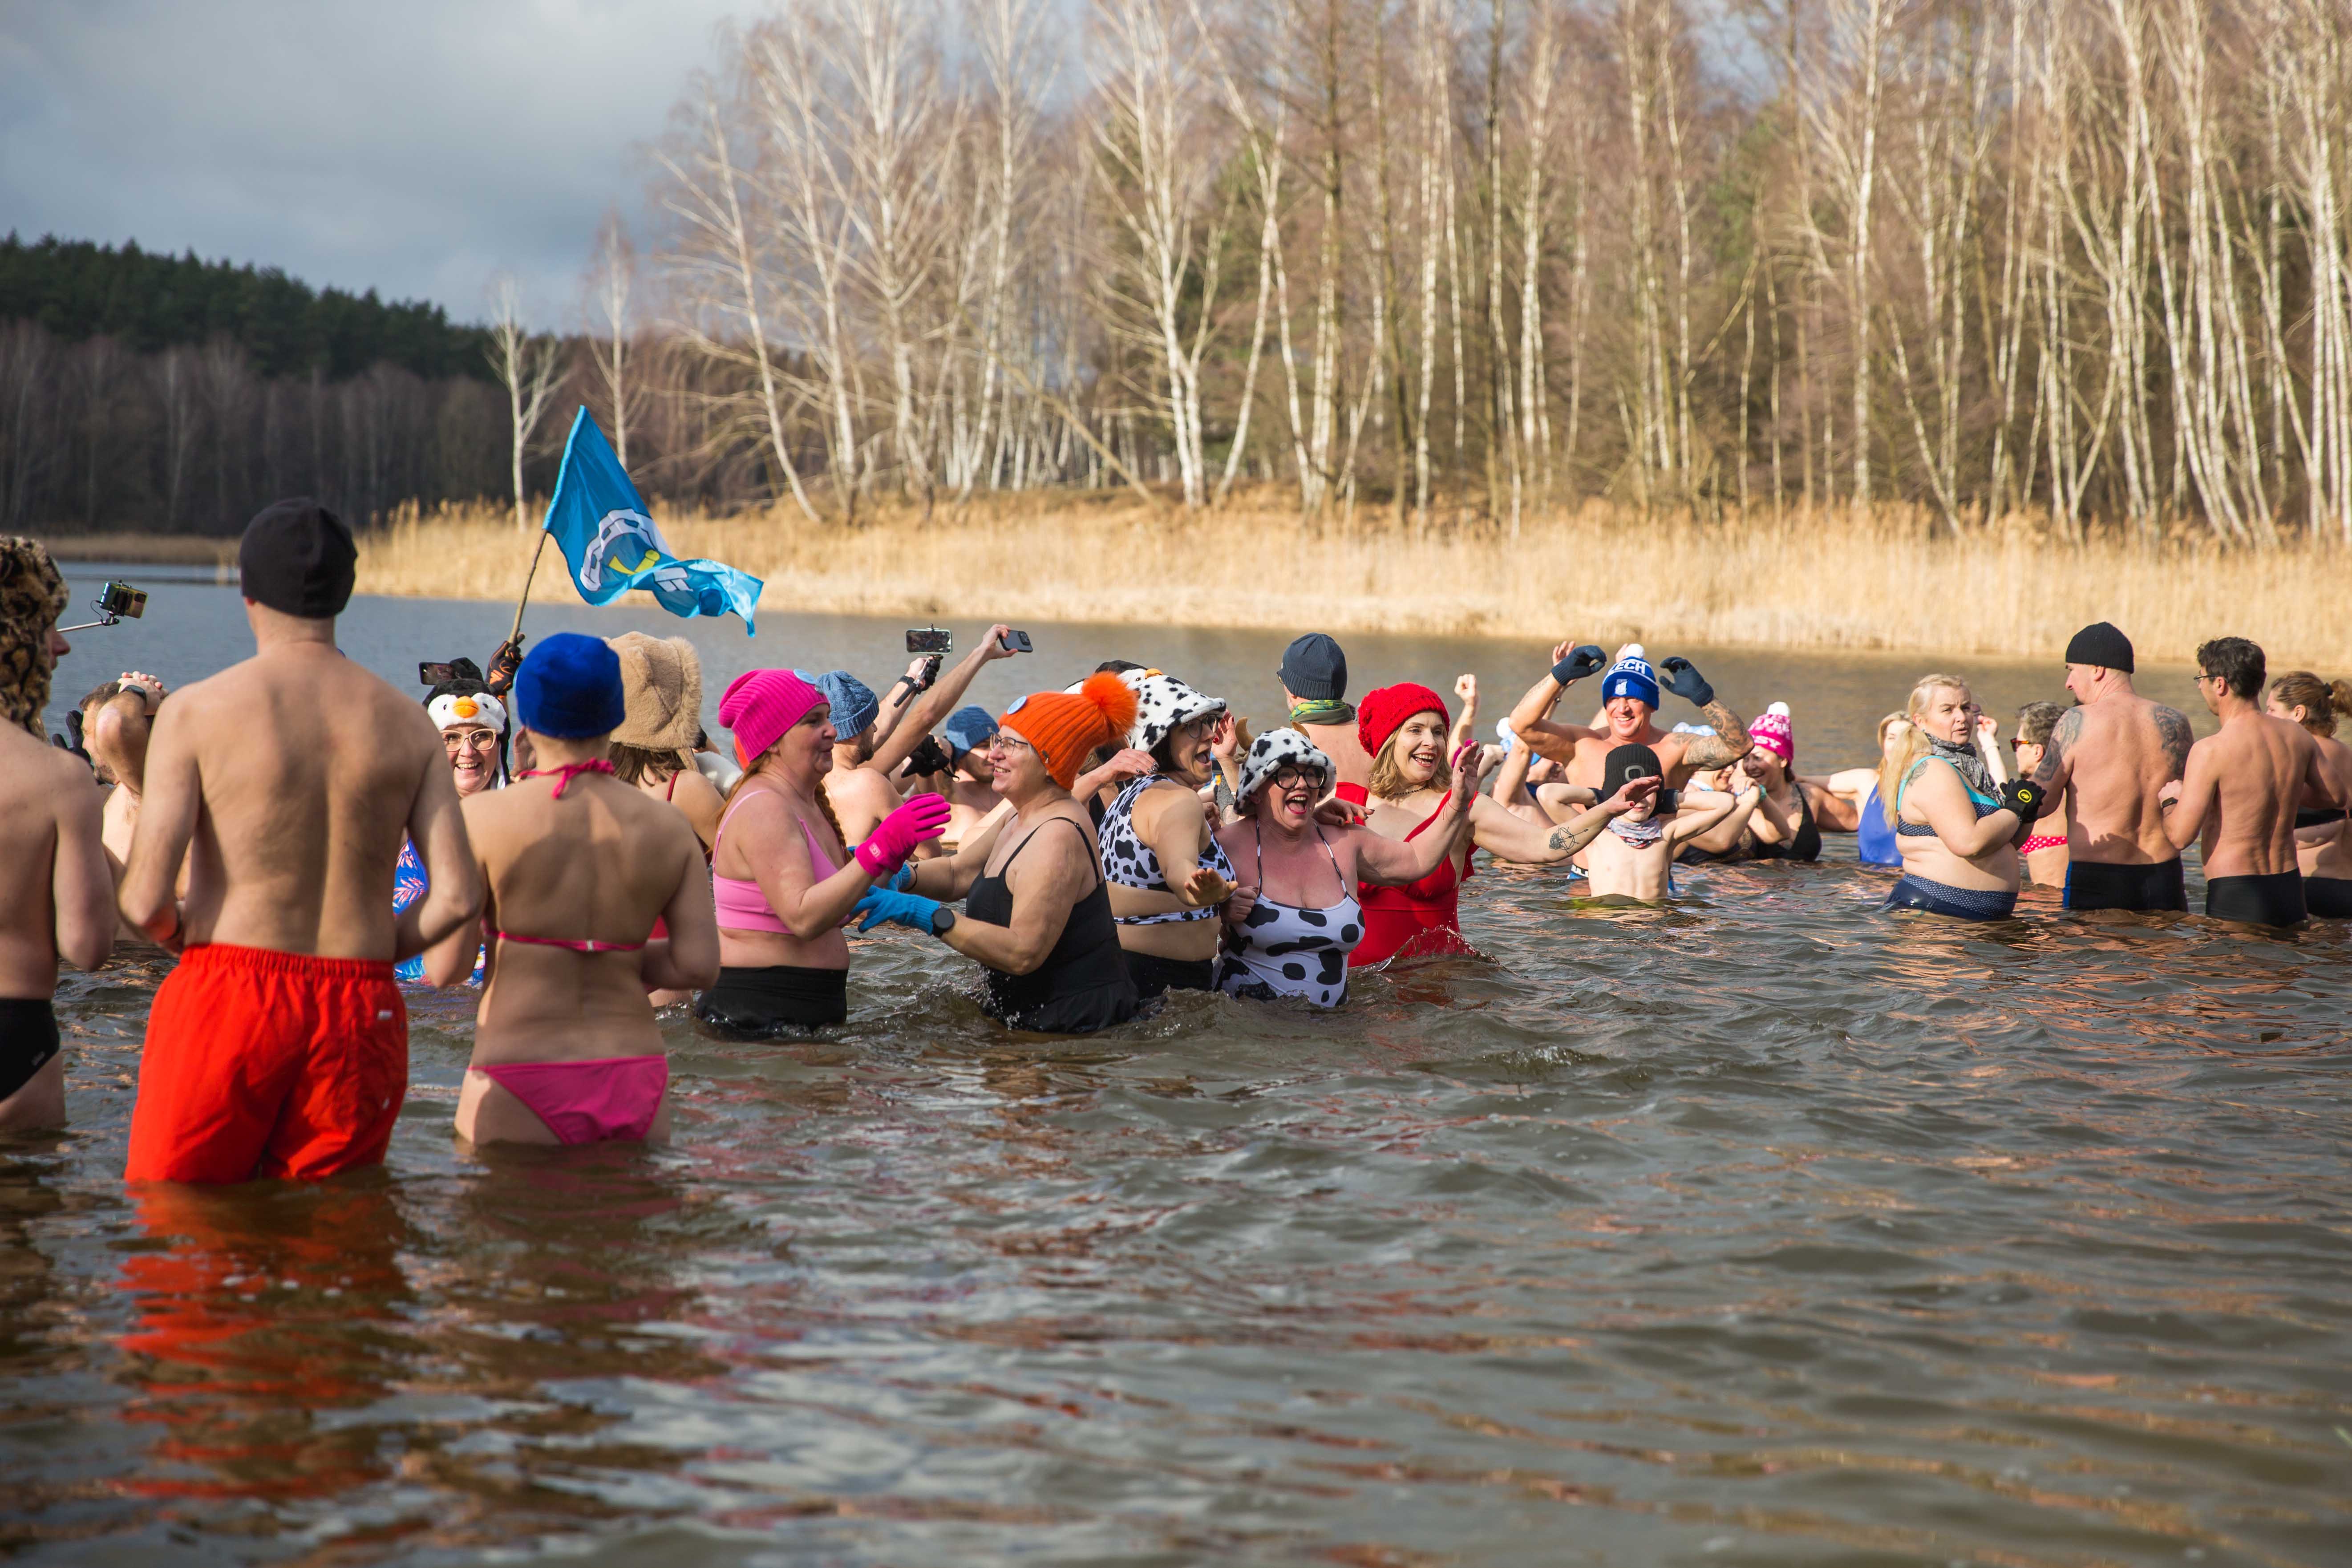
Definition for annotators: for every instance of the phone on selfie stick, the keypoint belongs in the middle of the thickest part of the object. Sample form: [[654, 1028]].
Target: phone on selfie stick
[[1016, 642], [432, 672], [930, 639]]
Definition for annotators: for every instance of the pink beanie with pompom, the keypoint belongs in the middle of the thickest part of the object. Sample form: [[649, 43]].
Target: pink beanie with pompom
[[759, 705]]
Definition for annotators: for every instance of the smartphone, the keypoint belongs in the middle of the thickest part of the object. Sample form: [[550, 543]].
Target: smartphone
[[122, 599], [930, 639], [1017, 642], [430, 674]]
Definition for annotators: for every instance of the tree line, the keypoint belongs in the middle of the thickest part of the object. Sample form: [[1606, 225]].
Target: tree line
[[1448, 263]]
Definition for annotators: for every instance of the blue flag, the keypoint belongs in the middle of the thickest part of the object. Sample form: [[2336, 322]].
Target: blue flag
[[614, 545]]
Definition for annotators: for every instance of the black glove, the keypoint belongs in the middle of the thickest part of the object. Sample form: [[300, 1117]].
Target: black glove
[[2024, 798], [503, 665], [1684, 681], [927, 757], [1582, 660]]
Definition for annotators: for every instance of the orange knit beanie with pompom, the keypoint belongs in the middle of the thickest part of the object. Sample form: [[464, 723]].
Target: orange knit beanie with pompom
[[1066, 726]]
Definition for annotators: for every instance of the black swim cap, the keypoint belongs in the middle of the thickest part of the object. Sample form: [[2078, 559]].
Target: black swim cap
[[298, 558], [1627, 763], [2102, 645]]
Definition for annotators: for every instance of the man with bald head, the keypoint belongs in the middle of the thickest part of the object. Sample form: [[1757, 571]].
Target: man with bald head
[[2113, 756], [279, 1046]]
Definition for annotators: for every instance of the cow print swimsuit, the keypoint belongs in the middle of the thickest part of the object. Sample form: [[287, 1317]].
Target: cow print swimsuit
[[1282, 949]]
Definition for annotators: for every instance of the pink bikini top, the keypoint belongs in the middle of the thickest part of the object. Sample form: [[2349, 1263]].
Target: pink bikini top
[[564, 776], [742, 905]]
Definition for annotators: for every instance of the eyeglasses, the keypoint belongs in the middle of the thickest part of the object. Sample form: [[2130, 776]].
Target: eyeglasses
[[1008, 743], [1292, 776], [470, 740]]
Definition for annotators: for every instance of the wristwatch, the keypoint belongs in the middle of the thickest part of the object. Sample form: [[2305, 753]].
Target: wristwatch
[[942, 921]]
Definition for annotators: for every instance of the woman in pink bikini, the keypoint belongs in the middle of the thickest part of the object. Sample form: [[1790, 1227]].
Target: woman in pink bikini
[[1403, 730], [784, 881], [579, 866]]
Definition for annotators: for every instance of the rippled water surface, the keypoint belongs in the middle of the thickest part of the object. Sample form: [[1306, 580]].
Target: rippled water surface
[[1764, 1229]]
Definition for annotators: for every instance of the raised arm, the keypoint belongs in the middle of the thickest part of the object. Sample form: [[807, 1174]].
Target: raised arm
[[1718, 810], [1730, 741], [1466, 723], [1393, 862], [927, 711], [168, 807], [1531, 718], [1531, 844]]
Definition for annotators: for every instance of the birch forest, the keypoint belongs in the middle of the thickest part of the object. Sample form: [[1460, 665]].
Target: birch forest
[[1454, 263]]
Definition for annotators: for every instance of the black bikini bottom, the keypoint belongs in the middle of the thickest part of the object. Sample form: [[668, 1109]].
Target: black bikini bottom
[[1153, 975], [1912, 892], [2328, 898], [780, 1000], [2096, 885], [28, 1038], [2273, 900]]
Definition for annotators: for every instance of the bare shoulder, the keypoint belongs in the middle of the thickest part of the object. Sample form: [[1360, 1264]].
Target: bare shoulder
[[52, 774]]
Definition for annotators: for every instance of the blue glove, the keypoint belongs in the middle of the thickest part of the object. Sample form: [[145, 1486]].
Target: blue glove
[[903, 880], [1581, 662], [1685, 681], [908, 910]]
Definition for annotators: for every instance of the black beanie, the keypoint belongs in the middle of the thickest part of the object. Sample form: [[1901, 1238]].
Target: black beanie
[[1627, 763], [298, 558], [2102, 645], [1314, 669]]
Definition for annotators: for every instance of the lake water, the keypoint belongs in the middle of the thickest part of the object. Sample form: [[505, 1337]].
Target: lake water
[[1764, 1229]]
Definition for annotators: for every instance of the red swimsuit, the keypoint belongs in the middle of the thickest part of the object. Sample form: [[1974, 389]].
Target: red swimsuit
[[1417, 919]]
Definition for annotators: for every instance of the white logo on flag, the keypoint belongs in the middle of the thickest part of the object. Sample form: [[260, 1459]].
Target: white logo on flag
[[627, 540]]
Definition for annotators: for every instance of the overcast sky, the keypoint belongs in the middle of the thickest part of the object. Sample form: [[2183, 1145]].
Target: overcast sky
[[419, 148]]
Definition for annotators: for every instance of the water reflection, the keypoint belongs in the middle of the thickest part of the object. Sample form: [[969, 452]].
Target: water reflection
[[258, 1314]]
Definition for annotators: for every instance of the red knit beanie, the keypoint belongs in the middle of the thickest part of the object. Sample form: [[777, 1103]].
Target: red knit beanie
[[1383, 712], [1065, 726]]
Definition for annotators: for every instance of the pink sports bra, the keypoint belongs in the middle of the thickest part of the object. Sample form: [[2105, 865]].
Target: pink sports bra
[[742, 905]]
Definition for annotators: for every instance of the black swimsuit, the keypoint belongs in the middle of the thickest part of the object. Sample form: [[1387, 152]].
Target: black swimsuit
[[28, 1038], [1804, 844], [1084, 984]]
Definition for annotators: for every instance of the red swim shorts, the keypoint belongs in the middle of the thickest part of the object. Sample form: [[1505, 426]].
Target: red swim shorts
[[269, 1064]]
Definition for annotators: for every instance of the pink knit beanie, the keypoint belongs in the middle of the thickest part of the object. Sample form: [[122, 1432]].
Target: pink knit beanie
[[759, 705], [1776, 732]]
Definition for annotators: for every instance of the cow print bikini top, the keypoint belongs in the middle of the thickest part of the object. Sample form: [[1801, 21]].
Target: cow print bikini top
[[1129, 861]]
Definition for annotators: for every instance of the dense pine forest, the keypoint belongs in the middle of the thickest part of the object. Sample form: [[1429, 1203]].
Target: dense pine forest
[[162, 393]]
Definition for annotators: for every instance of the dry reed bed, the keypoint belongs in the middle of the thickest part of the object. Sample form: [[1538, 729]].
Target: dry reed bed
[[1822, 583]]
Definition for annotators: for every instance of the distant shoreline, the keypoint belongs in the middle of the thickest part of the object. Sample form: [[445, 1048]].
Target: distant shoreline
[[1818, 582]]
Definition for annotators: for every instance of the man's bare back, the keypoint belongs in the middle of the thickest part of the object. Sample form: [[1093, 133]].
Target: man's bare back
[[2114, 757], [2241, 788], [293, 777]]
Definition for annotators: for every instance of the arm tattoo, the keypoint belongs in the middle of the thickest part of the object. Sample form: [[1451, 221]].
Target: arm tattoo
[[1729, 743], [1570, 836], [2172, 727], [2062, 736]]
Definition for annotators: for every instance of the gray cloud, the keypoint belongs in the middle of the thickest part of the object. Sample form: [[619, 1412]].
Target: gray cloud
[[418, 149]]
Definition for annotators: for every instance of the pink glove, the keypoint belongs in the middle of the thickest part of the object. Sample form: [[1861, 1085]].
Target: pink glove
[[923, 817]]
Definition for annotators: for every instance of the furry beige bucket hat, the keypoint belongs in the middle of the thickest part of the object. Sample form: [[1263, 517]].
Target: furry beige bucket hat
[[662, 679]]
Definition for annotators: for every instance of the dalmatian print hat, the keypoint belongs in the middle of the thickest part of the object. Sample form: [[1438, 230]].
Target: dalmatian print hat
[[1161, 703], [1276, 750]]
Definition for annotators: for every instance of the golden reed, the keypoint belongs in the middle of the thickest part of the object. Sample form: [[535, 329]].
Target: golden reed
[[1817, 581]]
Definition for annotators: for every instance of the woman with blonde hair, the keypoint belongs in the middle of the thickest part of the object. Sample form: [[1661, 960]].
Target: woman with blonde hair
[[2323, 838], [1957, 826]]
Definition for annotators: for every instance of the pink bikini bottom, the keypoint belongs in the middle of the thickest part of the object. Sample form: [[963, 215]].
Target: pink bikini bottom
[[604, 1100]]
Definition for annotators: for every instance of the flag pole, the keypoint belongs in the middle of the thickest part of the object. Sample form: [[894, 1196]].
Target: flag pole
[[527, 577]]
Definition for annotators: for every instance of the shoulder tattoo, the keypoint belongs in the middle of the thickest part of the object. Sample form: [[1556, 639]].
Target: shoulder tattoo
[[2062, 737], [2172, 727]]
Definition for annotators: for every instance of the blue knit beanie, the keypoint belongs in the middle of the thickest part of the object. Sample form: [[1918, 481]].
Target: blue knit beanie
[[569, 689], [853, 701]]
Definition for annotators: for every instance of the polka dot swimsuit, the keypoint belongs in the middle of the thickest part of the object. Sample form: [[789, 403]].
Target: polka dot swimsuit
[[1129, 861], [1282, 949]]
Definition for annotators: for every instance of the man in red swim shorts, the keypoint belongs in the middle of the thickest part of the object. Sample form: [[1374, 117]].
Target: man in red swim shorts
[[279, 1046]]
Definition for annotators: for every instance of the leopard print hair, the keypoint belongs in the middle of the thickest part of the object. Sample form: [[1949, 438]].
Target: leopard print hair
[[32, 601]]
